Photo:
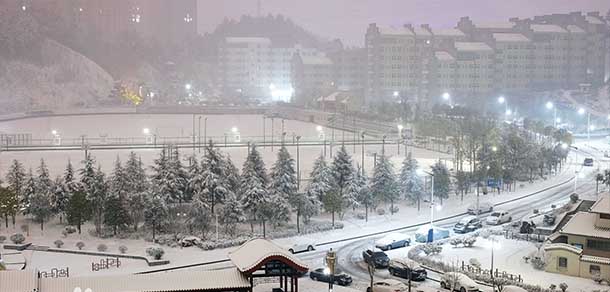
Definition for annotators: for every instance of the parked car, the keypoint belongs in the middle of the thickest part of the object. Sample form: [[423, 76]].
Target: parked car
[[459, 281], [421, 235], [468, 224], [393, 240], [340, 278], [403, 267], [302, 247], [588, 161], [482, 208], [388, 285], [498, 217], [378, 258]]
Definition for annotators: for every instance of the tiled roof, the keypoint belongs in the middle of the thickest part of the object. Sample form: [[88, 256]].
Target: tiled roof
[[472, 47], [595, 260], [19, 281], [256, 251], [583, 224], [563, 246], [170, 281], [448, 32], [443, 56], [510, 37]]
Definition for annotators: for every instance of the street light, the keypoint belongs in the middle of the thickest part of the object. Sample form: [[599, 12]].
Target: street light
[[556, 120], [422, 172], [400, 127], [582, 111], [508, 112], [501, 100], [54, 132], [396, 94], [331, 259], [446, 96], [491, 271], [188, 86]]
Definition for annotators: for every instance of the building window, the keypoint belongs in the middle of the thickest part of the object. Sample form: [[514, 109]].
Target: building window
[[594, 270], [598, 245], [562, 262]]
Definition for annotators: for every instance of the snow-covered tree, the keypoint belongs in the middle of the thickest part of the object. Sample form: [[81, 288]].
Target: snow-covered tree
[[194, 178], [97, 195], [87, 174], [79, 210], [29, 191], [214, 179], [40, 202], [321, 184], [283, 188], [155, 214], [179, 176], [44, 184], [16, 181], [442, 181], [116, 215], [383, 183], [342, 170], [200, 217], [137, 189], [118, 181], [359, 190], [232, 175], [169, 179], [59, 198], [70, 183], [411, 185], [231, 214], [254, 185]]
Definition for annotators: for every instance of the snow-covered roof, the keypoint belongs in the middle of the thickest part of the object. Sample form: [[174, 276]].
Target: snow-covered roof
[[421, 31], [256, 252], [443, 56], [454, 32], [472, 47], [595, 260], [583, 224], [335, 96], [171, 281], [316, 60], [253, 40], [386, 30], [495, 25], [574, 29], [18, 281], [563, 246], [510, 37], [547, 28], [602, 205], [593, 19]]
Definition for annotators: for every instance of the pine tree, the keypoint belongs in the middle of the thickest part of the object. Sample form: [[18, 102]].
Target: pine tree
[[342, 171], [200, 217], [87, 175], [359, 190], [7, 200], [232, 214], [28, 192], [411, 185], [79, 210], [97, 196], [283, 189], [254, 185], [116, 215], [383, 183], [40, 201], [441, 181], [194, 176], [155, 214], [137, 189], [118, 181], [180, 178], [232, 175], [214, 179], [16, 181], [44, 184], [60, 198], [320, 185], [70, 183], [169, 179]]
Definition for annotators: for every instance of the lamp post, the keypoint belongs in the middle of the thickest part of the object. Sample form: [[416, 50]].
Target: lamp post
[[383, 144], [193, 131], [491, 271], [272, 133], [199, 135], [400, 127], [205, 129], [362, 157], [582, 111], [549, 105], [431, 231], [331, 259], [264, 139], [298, 165]]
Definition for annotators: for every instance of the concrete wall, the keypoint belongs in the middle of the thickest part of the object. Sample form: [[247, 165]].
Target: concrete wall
[[552, 262]]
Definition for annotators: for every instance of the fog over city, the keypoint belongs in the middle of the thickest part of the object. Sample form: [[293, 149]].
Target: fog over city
[[285, 146]]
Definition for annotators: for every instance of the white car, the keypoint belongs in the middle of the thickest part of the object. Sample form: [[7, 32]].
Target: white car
[[482, 208], [498, 217], [392, 241], [459, 282], [388, 285], [302, 247]]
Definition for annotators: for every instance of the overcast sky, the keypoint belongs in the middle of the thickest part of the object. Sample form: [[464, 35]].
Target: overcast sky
[[348, 19]]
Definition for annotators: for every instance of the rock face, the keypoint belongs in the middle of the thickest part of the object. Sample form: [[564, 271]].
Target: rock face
[[62, 78]]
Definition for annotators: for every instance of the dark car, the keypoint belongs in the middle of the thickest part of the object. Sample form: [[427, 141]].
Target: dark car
[[467, 224], [378, 258], [588, 162], [342, 279], [403, 267]]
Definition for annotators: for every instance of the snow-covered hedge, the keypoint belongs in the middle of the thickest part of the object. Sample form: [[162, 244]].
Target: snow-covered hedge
[[17, 238]]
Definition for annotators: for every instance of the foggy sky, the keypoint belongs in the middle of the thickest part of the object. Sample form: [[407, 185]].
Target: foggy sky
[[348, 19]]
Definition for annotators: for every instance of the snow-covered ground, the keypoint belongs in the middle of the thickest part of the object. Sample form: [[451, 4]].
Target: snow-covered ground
[[181, 126]]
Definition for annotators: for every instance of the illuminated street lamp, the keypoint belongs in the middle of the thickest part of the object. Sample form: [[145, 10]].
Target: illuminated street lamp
[[396, 94], [582, 111], [508, 112], [501, 100], [550, 106], [331, 260], [446, 96], [54, 132], [146, 131], [400, 127], [422, 172], [188, 86]]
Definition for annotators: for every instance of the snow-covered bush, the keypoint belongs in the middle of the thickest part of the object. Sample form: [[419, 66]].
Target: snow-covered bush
[[155, 252], [455, 241], [122, 249], [381, 211], [432, 249], [58, 243], [80, 245], [485, 234], [102, 247], [536, 211], [70, 229], [538, 263], [64, 233], [574, 198], [394, 209], [563, 287], [17, 238], [361, 216], [469, 241], [2, 238], [475, 263]]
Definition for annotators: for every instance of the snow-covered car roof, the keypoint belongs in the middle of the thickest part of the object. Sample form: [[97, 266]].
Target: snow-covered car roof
[[392, 237], [467, 219]]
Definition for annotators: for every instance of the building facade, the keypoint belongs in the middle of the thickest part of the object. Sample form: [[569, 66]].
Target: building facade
[[581, 248]]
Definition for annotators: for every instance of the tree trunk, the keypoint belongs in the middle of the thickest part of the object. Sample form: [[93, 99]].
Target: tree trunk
[[418, 204], [298, 221], [264, 229], [78, 226], [41, 225], [366, 212], [6, 220], [13, 220], [391, 207], [135, 226], [333, 218]]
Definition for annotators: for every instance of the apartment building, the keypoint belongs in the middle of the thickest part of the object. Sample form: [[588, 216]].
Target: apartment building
[[581, 248], [312, 77], [255, 67]]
